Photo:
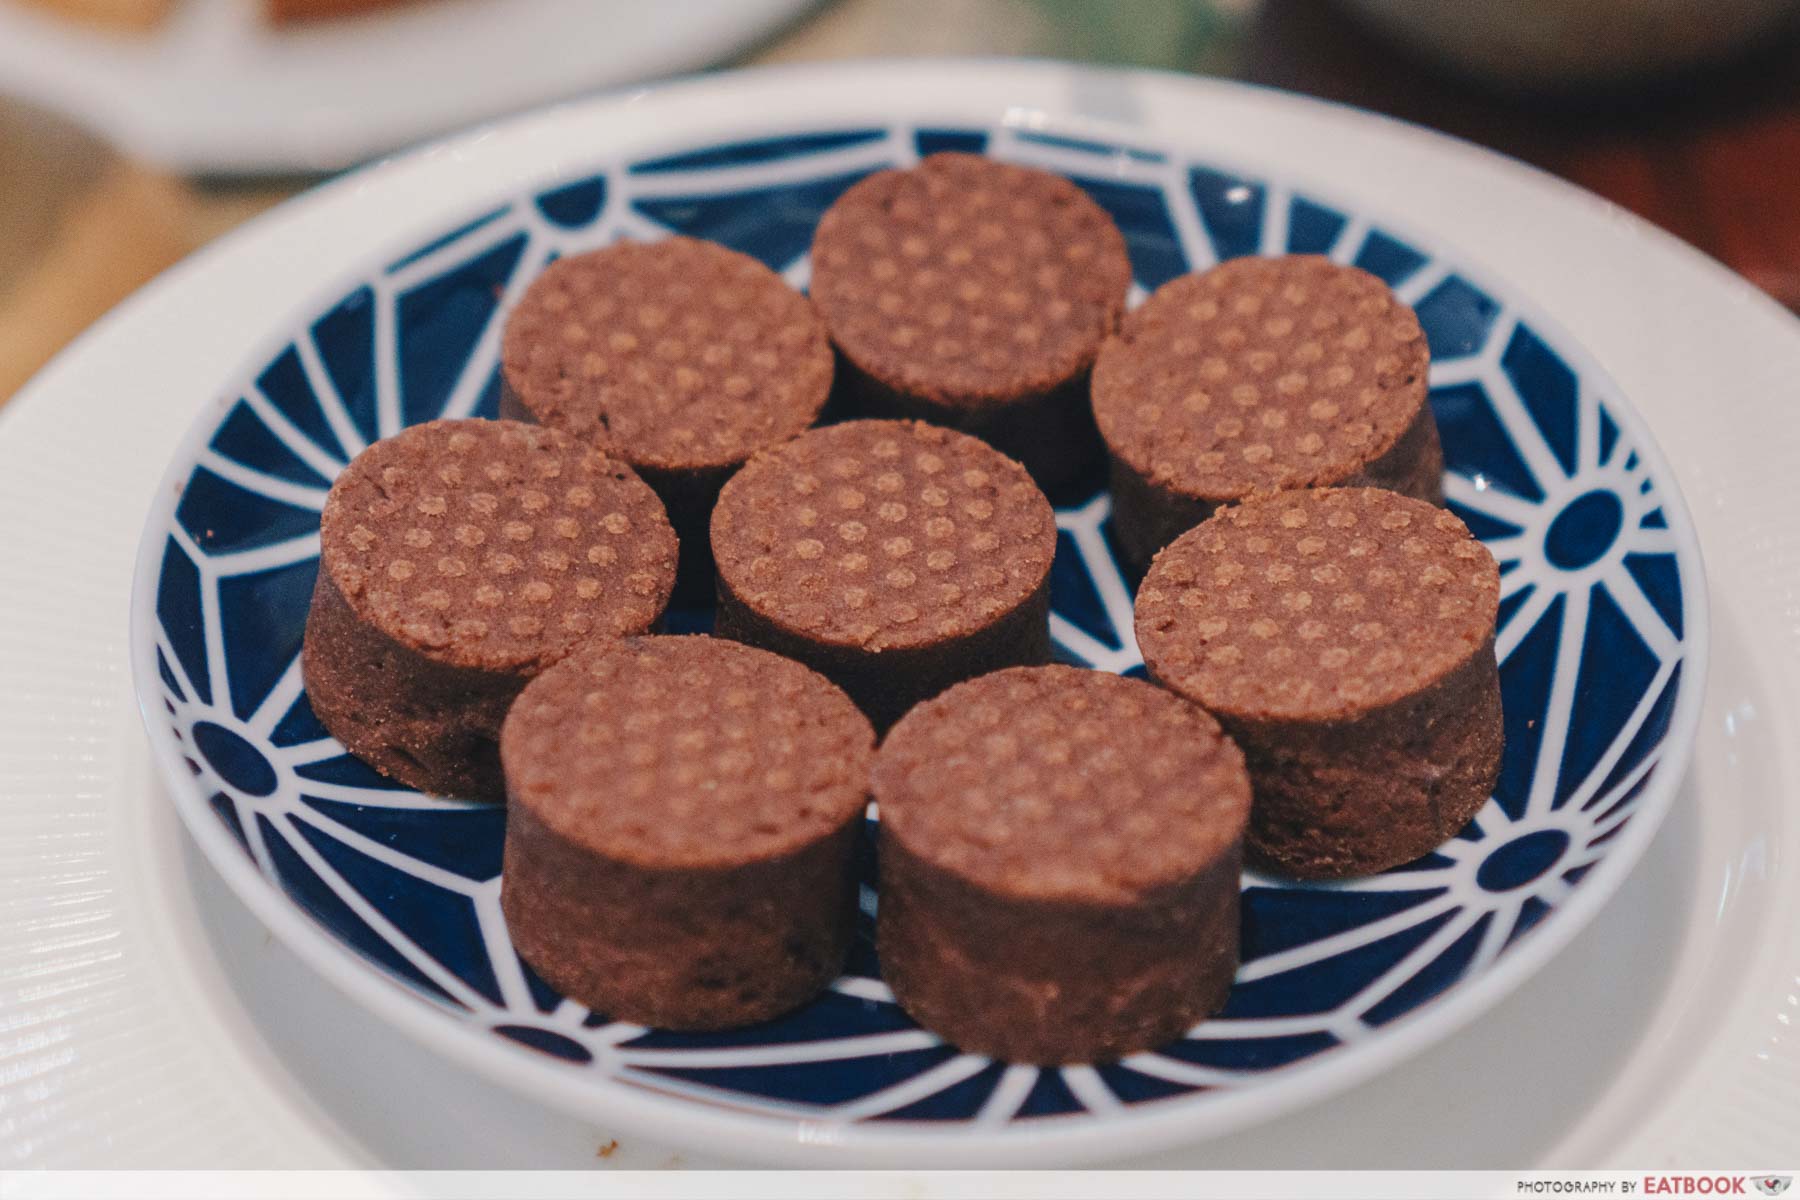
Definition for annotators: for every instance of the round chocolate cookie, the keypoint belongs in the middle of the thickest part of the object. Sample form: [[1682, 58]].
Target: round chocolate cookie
[[1060, 851], [681, 817], [975, 294], [1345, 638], [457, 559], [680, 357], [893, 557], [1259, 375]]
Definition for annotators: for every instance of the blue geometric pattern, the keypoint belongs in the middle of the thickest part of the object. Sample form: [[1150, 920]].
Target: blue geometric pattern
[[1591, 644]]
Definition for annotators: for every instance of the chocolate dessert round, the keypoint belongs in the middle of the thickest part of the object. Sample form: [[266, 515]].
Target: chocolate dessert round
[[893, 557], [1345, 638], [975, 294], [681, 357], [1060, 851], [681, 820], [1259, 375], [457, 559]]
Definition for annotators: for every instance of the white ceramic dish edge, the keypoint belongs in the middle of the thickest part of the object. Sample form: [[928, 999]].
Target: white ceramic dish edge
[[750, 1136]]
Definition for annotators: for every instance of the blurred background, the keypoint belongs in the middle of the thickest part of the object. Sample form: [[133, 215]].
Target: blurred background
[[134, 131]]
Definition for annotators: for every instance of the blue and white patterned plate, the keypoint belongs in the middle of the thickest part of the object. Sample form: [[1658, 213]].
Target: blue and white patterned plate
[[1601, 643]]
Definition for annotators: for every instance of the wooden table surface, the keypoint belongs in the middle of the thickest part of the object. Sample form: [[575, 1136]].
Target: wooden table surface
[[1710, 155]]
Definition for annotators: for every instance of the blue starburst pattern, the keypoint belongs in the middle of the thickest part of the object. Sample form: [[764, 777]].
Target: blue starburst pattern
[[1594, 634]]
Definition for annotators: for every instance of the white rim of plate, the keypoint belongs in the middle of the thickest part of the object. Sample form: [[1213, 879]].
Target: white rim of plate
[[984, 87]]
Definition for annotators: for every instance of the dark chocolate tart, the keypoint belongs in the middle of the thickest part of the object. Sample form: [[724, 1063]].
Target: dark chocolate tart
[[1060, 851], [1345, 638], [681, 818], [974, 294], [1258, 375], [894, 557], [681, 357], [458, 559]]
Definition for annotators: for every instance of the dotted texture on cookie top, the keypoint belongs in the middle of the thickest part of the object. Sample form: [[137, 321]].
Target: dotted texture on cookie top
[[1316, 605], [883, 534], [1059, 783], [494, 544], [968, 280], [1259, 374], [686, 752], [673, 354]]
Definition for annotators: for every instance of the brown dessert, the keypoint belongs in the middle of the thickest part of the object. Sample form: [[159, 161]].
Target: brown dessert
[[975, 294], [681, 357], [893, 557], [1345, 638], [457, 560], [1259, 375], [681, 818], [1060, 851]]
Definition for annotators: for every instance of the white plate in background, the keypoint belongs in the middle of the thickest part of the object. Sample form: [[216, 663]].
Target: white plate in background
[[215, 90]]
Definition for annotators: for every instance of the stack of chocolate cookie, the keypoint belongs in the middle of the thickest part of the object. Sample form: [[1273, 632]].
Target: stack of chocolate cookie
[[680, 358], [1060, 849]]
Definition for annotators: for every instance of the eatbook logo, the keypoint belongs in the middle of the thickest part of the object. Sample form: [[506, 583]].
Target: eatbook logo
[[1772, 1185]]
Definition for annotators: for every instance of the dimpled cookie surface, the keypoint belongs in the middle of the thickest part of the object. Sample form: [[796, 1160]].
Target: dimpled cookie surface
[[687, 751], [1062, 783], [1261, 373], [1316, 604], [967, 279], [496, 545], [882, 534], [675, 353]]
